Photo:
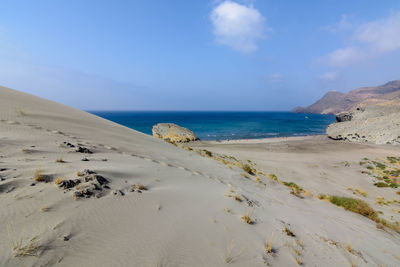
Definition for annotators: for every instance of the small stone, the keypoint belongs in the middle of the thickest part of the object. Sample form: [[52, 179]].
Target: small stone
[[82, 149], [66, 238], [118, 193], [33, 184], [77, 194], [85, 159]]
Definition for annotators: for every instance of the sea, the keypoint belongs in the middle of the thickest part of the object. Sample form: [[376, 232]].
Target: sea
[[226, 125]]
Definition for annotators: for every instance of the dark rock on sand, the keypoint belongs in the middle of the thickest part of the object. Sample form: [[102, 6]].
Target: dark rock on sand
[[344, 116], [85, 150], [67, 184]]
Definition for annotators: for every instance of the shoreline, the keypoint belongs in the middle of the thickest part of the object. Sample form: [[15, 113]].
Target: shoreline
[[262, 140]]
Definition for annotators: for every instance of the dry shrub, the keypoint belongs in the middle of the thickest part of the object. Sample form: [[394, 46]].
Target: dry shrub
[[38, 176]]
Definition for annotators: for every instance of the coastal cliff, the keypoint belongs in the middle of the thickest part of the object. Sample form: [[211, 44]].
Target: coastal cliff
[[334, 102]]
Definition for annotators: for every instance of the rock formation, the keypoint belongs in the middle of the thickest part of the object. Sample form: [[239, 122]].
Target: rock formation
[[173, 133], [344, 116], [375, 123], [335, 102]]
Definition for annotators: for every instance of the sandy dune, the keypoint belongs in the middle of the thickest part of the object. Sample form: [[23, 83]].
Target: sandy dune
[[188, 216]]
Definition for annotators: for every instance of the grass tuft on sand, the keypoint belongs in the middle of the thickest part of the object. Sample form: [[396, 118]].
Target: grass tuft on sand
[[355, 205], [38, 176], [30, 248], [246, 218], [247, 168]]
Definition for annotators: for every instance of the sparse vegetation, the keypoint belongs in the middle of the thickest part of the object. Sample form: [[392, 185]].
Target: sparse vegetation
[[268, 246], [288, 232], [237, 198], [293, 186], [229, 257], [379, 165], [298, 260], [246, 218], [208, 153], [273, 176], [44, 209], [59, 180], [245, 175], [139, 187], [38, 176], [358, 191], [393, 159], [296, 190], [247, 168], [323, 197], [385, 174], [355, 205], [381, 184], [30, 248], [346, 163]]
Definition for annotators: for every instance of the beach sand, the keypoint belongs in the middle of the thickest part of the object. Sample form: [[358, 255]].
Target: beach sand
[[192, 210]]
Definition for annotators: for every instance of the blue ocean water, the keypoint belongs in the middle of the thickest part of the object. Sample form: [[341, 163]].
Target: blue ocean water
[[221, 125]]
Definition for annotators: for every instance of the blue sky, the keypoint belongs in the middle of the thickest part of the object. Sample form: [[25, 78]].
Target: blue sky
[[198, 54]]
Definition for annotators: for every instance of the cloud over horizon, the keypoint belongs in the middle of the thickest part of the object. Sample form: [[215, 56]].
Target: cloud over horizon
[[369, 40], [238, 26]]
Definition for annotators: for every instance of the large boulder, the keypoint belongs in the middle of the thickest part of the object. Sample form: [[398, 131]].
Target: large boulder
[[173, 133]]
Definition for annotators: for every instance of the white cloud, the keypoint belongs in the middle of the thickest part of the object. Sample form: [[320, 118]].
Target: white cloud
[[382, 35], [328, 76], [238, 26], [342, 25], [369, 40], [345, 56]]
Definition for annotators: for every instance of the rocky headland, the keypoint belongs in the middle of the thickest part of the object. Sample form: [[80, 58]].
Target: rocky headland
[[368, 114], [334, 102]]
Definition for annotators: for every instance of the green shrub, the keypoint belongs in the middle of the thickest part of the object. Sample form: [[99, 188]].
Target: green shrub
[[379, 165], [355, 205], [273, 176], [293, 185], [208, 153], [247, 168], [381, 184]]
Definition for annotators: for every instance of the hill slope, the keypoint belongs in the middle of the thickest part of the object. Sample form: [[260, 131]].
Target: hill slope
[[335, 102]]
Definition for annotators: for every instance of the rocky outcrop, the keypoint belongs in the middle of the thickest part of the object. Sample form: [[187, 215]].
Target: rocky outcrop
[[375, 123], [344, 116], [173, 133], [334, 102]]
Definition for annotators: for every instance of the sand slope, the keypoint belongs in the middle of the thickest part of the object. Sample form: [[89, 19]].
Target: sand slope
[[185, 218]]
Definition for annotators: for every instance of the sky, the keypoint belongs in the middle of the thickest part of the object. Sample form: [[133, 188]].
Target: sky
[[197, 54]]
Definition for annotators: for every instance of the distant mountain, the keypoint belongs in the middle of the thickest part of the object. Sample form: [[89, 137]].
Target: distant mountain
[[334, 102]]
